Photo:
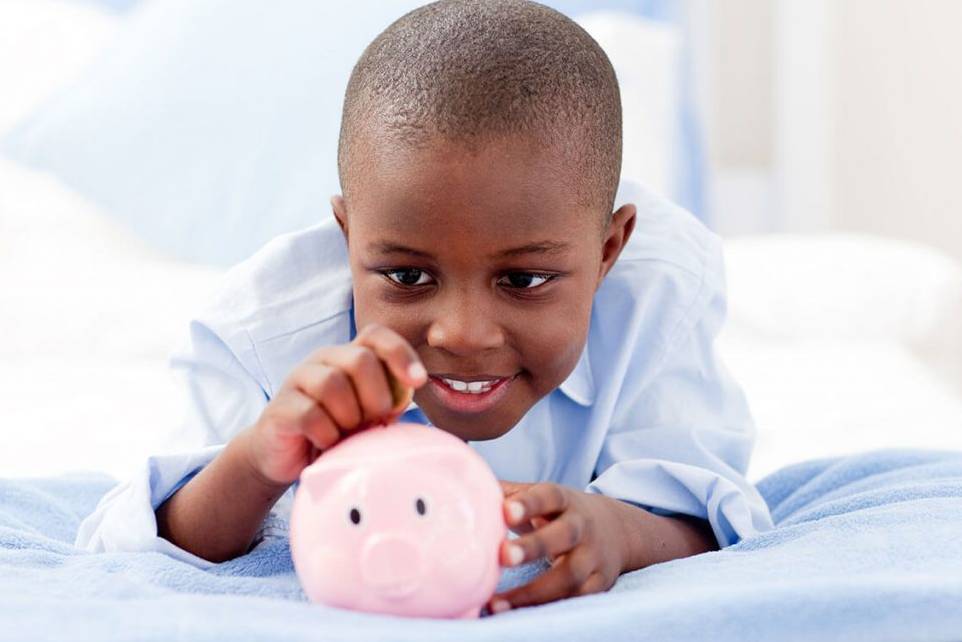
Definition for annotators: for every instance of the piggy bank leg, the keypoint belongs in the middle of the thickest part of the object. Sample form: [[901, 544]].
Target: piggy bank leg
[[471, 614]]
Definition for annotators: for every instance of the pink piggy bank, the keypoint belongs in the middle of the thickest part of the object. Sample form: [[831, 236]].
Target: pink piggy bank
[[401, 519]]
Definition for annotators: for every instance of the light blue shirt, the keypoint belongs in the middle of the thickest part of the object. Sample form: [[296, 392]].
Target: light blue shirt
[[649, 415]]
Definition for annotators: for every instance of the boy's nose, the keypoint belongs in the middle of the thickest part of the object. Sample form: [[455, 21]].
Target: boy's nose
[[464, 329]]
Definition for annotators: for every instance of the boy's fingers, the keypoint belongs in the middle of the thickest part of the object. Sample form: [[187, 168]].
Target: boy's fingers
[[570, 576], [552, 540], [396, 353], [315, 423], [522, 528], [331, 388], [366, 375], [538, 500], [554, 584], [594, 584], [320, 429]]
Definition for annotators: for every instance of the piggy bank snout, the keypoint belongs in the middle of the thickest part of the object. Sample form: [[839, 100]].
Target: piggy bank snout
[[392, 564]]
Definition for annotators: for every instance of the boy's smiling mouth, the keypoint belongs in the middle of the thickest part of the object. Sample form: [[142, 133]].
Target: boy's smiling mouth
[[469, 394]]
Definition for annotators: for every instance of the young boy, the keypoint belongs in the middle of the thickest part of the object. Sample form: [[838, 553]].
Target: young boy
[[473, 256]]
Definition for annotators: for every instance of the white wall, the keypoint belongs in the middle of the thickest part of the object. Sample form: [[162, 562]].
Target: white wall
[[732, 47], [741, 57], [898, 119], [834, 114]]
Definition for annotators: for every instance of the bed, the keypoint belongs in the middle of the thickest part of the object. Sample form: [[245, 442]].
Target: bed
[[866, 548], [849, 348]]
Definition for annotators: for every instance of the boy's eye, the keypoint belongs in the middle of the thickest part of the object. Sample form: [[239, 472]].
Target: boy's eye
[[525, 280], [408, 276]]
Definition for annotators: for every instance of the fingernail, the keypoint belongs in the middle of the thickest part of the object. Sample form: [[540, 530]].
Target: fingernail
[[515, 554], [416, 371], [515, 511], [499, 606]]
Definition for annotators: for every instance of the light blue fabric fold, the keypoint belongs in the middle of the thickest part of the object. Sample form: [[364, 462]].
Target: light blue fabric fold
[[867, 547]]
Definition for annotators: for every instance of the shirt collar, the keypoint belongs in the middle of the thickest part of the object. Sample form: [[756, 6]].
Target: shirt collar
[[580, 384]]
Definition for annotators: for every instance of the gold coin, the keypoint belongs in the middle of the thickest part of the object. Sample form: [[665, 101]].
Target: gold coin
[[401, 394]]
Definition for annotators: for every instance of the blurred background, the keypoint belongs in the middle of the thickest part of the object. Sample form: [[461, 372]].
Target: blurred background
[[833, 114], [147, 145]]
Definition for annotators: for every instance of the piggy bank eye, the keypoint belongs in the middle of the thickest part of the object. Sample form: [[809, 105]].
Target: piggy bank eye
[[420, 506], [355, 516]]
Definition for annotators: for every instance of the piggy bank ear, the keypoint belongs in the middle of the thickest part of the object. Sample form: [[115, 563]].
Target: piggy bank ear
[[317, 480]]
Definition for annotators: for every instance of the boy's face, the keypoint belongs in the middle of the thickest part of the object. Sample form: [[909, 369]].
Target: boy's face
[[486, 264]]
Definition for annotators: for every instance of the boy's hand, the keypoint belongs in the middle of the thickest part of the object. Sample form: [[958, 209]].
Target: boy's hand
[[581, 534], [335, 390]]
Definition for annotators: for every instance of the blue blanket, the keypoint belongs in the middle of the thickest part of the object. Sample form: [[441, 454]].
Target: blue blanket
[[867, 547]]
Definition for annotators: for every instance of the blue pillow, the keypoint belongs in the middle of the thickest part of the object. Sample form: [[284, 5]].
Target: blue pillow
[[210, 126]]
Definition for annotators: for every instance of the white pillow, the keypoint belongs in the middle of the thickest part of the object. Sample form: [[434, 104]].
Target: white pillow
[[844, 343], [850, 292], [74, 286], [842, 286]]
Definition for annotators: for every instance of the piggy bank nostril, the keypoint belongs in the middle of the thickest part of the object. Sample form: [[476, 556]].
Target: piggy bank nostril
[[420, 507], [391, 564]]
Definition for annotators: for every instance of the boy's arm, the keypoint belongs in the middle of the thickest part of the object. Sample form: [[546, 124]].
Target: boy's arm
[[217, 514], [652, 539], [684, 445], [221, 398], [335, 390], [681, 436], [670, 475]]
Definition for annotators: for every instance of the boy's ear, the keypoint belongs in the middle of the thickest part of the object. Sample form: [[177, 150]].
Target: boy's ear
[[619, 230], [340, 212]]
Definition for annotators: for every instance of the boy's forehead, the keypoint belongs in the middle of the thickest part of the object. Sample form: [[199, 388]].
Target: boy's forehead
[[511, 172], [495, 206]]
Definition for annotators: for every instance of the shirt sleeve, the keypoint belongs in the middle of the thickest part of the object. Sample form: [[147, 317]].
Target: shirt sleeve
[[679, 440], [222, 398]]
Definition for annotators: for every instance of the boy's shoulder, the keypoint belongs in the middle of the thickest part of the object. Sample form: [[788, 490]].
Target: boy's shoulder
[[667, 234], [296, 280], [667, 278]]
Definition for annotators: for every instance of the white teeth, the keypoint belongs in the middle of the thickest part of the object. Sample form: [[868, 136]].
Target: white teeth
[[470, 387]]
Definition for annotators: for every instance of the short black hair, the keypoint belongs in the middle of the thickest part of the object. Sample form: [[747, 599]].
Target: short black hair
[[471, 70]]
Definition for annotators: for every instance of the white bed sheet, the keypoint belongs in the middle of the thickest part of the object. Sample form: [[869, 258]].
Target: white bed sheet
[[89, 318], [819, 398]]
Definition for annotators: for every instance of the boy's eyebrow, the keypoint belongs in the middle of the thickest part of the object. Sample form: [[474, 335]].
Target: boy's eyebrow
[[542, 247], [386, 247]]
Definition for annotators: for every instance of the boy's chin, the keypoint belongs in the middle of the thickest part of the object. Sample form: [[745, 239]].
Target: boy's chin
[[481, 427]]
